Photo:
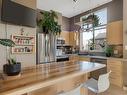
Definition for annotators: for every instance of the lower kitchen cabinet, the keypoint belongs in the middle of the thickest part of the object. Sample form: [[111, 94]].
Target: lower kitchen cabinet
[[65, 36], [72, 84], [83, 58], [116, 76], [52, 90], [63, 86], [73, 58]]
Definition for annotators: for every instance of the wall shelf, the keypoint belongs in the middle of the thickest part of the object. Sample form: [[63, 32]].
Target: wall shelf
[[23, 44]]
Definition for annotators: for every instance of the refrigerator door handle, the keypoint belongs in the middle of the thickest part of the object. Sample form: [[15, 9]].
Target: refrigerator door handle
[[48, 48], [45, 48]]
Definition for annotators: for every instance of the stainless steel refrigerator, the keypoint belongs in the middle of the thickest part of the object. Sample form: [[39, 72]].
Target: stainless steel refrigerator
[[46, 48]]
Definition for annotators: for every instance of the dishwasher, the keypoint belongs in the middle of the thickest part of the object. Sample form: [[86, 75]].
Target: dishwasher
[[95, 74]]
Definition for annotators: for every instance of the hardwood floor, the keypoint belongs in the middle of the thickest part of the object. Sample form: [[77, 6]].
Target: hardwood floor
[[113, 90]]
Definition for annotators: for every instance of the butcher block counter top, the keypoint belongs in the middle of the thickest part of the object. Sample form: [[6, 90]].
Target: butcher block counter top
[[44, 75]]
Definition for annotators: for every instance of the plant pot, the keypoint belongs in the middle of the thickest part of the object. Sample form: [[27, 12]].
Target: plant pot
[[12, 69], [108, 54], [45, 30]]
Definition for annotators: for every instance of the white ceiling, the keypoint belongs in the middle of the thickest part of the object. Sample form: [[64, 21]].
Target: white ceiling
[[67, 7]]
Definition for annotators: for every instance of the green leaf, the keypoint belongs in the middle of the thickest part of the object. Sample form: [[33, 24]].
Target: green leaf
[[7, 42], [48, 22]]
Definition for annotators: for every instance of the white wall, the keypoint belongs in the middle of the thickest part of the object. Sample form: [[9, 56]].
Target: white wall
[[124, 28], [26, 59]]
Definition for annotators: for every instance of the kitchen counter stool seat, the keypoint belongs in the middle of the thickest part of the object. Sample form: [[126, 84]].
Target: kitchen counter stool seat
[[99, 86]]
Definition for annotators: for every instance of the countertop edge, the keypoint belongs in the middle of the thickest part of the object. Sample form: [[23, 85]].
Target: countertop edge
[[36, 86]]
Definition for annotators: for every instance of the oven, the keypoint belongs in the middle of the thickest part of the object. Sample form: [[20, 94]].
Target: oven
[[97, 73], [62, 58]]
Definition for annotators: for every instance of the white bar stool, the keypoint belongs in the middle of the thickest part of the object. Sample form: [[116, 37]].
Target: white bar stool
[[99, 86]]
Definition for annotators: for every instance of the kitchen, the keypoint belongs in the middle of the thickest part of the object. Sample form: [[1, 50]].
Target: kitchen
[[41, 56]]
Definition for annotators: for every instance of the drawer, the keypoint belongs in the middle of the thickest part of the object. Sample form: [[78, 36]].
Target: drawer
[[84, 59], [114, 62], [116, 75], [114, 69], [116, 81], [73, 58]]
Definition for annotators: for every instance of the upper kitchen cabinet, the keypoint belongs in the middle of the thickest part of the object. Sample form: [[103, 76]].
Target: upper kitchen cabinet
[[74, 38], [65, 36], [28, 3], [115, 33]]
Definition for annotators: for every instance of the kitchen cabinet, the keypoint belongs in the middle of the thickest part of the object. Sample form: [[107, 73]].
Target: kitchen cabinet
[[51, 90], [71, 84], [73, 38], [63, 86], [73, 58], [115, 33], [83, 58], [65, 36], [116, 76]]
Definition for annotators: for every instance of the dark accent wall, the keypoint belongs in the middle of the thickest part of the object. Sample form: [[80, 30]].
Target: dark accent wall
[[114, 13], [65, 24]]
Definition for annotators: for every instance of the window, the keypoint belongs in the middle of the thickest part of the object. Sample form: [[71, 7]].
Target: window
[[86, 37]]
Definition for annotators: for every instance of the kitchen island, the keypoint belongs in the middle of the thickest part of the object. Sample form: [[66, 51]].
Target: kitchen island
[[52, 75]]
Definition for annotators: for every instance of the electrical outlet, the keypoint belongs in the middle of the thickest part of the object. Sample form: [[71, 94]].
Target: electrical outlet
[[126, 47]]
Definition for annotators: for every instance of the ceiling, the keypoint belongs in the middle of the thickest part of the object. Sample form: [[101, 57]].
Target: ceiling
[[68, 8]]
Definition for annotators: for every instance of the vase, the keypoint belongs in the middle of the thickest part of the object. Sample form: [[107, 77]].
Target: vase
[[12, 69]]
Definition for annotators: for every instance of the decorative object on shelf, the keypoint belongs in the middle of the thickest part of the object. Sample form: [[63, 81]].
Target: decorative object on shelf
[[12, 67], [109, 51], [23, 44], [48, 23]]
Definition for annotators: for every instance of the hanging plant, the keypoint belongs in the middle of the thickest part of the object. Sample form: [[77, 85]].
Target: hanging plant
[[92, 19], [48, 24]]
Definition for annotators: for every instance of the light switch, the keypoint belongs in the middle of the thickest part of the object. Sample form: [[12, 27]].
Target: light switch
[[126, 47], [115, 51]]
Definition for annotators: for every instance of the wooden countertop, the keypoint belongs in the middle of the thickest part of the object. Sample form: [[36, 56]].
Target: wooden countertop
[[44, 75]]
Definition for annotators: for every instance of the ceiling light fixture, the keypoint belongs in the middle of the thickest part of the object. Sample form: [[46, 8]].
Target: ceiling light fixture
[[75, 0]]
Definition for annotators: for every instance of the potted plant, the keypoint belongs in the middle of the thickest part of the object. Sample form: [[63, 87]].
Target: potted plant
[[48, 23], [12, 67], [109, 51]]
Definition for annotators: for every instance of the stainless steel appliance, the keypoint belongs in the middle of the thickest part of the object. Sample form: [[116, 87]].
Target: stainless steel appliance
[[60, 41], [97, 73], [68, 49], [46, 48], [62, 58]]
